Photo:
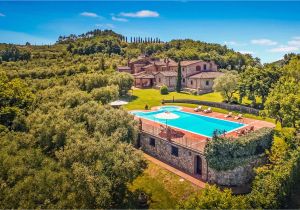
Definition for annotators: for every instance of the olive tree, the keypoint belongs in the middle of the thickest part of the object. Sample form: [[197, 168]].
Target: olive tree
[[226, 84]]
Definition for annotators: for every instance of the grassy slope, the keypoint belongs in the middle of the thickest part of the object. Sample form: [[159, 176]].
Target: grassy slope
[[163, 187]]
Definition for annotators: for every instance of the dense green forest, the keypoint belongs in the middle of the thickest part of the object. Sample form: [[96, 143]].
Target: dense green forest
[[62, 146]]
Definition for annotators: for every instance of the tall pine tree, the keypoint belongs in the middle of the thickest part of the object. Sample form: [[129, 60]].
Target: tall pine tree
[[178, 85]]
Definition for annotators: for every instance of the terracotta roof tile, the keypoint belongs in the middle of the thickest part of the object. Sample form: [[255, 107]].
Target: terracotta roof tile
[[143, 75], [187, 63], [168, 73]]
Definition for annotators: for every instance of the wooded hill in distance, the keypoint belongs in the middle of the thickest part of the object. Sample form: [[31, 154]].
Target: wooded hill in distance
[[123, 48]]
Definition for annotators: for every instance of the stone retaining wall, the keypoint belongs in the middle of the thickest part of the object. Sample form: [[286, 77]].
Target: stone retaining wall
[[237, 176], [186, 162], [162, 151]]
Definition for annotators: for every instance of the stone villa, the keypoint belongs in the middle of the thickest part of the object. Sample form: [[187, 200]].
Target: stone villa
[[149, 72]]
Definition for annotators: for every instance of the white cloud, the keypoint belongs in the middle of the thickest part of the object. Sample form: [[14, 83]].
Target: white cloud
[[284, 48], [107, 25], [230, 43], [265, 42], [2, 15], [119, 19], [110, 25], [247, 52], [234, 43], [89, 14], [140, 14], [295, 42]]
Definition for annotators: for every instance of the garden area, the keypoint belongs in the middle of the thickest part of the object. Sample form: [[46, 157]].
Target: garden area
[[163, 188]]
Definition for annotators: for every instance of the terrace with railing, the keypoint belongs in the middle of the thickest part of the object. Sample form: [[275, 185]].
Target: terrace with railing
[[173, 135]]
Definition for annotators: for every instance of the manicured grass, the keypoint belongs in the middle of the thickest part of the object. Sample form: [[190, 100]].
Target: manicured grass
[[163, 187], [152, 97]]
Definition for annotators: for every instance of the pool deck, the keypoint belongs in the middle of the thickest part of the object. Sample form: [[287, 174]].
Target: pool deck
[[197, 141]]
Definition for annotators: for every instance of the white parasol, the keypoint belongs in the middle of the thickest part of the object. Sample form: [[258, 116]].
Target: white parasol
[[166, 116], [118, 103]]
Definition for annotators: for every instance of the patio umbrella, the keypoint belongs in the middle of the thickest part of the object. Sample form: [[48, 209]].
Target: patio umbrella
[[118, 103], [166, 116]]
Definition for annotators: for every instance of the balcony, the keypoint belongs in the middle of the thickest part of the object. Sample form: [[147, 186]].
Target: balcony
[[175, 136]]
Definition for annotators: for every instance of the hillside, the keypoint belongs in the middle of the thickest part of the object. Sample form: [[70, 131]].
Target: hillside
[[63, 146], [98, 50]]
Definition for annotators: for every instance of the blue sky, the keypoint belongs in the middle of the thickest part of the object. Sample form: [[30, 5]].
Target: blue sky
[[267, 30]]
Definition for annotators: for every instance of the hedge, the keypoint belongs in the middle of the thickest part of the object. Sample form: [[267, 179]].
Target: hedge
[[227, 153], [238, 108]]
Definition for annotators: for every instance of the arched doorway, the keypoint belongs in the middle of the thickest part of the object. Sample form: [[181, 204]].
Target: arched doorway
[[198, 68], [198, 165]]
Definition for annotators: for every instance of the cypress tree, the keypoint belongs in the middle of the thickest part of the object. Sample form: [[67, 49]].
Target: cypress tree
[[178, 85]]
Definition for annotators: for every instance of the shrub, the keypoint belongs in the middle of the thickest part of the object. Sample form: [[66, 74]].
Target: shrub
[[225, 154], [211, 197], [273, 183], [194, 92], [234, 100], [164, 90]]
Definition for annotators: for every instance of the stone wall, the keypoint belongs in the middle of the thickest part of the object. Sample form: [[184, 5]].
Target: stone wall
[[200, 84], [186, 161], [236, 177], [162, 151]]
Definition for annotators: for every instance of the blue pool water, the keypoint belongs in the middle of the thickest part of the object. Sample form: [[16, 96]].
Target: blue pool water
[[194, 123]]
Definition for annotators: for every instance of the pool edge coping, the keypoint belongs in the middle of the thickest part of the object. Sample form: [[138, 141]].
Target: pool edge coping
[[156, 108]]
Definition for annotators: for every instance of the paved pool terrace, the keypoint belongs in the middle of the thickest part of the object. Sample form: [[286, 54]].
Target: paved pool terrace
[[195, 140]]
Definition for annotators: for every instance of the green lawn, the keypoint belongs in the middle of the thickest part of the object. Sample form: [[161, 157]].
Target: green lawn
[[152, 97], [164, 188]]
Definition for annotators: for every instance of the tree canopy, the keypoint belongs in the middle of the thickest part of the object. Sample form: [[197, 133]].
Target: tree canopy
[[226, 84]]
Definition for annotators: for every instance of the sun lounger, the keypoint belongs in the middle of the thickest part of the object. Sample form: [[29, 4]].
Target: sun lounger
[[198, 109], [162, 128], [208, 110], [241, 132], [250, 129], [228, 115], [240, 116]]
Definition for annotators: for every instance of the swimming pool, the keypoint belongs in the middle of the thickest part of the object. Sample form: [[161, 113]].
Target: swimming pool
[[198, 124]]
